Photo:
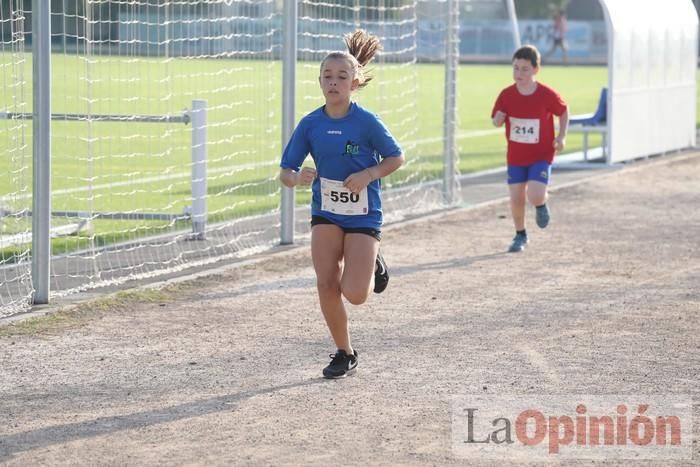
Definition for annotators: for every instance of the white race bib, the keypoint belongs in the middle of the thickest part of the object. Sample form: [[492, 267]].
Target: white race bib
[[337, 199], [525, 130]]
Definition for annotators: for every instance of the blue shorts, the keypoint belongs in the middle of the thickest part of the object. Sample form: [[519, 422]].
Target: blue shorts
[[540, 171]]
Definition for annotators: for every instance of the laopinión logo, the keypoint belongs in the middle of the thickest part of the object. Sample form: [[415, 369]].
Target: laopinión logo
[[528, 427]]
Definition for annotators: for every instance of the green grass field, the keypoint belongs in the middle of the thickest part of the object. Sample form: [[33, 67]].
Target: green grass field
[[101, 167]]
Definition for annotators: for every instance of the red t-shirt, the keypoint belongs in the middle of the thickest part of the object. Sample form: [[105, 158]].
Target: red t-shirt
[[530, 123]]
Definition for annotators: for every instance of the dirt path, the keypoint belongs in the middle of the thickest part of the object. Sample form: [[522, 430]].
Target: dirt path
[[225, 369]]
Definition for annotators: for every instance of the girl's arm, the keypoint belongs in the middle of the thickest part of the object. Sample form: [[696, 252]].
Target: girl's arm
[[387, 166], [304, 177], [359, 180]]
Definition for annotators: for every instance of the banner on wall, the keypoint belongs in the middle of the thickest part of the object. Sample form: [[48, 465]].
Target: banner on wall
[[493, 39], [584, 39]]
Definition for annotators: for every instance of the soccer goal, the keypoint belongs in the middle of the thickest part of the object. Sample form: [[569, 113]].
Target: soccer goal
[[126, 193]]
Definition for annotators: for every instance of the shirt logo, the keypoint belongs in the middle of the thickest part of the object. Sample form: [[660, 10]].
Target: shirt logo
[[334, 132], [351, 148]]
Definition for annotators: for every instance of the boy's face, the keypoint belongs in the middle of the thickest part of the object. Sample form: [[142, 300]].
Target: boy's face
[[337, 80], [523, 71]]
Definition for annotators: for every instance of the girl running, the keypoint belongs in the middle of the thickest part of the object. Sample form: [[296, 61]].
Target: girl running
[[352, 150]]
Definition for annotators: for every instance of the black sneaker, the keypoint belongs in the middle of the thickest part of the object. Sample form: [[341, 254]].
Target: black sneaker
[[341, 365], [381, 274]]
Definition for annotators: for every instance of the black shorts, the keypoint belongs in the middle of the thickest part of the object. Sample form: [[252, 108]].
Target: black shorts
[[376, 233]]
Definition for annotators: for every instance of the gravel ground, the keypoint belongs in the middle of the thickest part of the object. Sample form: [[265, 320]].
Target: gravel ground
[[225, 368]]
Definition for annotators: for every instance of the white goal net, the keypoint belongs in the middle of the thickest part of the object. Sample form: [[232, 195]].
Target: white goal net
[[15, 163], [166, 130]]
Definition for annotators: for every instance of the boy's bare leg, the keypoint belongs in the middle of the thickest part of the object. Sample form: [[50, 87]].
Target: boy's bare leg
[[517, 204], [536, 193]]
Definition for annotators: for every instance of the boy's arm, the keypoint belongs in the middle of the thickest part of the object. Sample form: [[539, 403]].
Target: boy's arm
[[499, 118], [560, 141]]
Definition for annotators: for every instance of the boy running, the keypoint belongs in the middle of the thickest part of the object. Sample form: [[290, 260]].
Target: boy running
[[527, 108]]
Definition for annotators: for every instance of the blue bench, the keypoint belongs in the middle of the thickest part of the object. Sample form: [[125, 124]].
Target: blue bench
[[596, 122]]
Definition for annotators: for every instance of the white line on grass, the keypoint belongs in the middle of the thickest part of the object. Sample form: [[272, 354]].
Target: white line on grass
[[233, 168]]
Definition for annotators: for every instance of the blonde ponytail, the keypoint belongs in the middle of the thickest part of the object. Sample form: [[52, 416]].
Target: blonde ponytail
[[362, 48]]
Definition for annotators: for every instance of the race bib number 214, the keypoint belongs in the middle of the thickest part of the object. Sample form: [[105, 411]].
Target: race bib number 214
[[525, 130]]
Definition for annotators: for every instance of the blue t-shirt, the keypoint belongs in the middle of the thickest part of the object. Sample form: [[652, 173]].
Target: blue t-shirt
[[340, 147]]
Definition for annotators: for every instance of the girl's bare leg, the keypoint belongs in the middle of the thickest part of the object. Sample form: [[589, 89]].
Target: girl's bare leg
[[360, 254], [327, 243]]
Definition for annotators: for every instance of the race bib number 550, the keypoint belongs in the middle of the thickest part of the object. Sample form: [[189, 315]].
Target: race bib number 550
[[525, 130], [337, 199]]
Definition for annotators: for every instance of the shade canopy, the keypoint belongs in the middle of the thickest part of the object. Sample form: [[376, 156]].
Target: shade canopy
[[652, 62]]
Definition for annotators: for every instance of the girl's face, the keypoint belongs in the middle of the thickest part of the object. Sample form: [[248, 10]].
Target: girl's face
[[337, 81], [523, 71]]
